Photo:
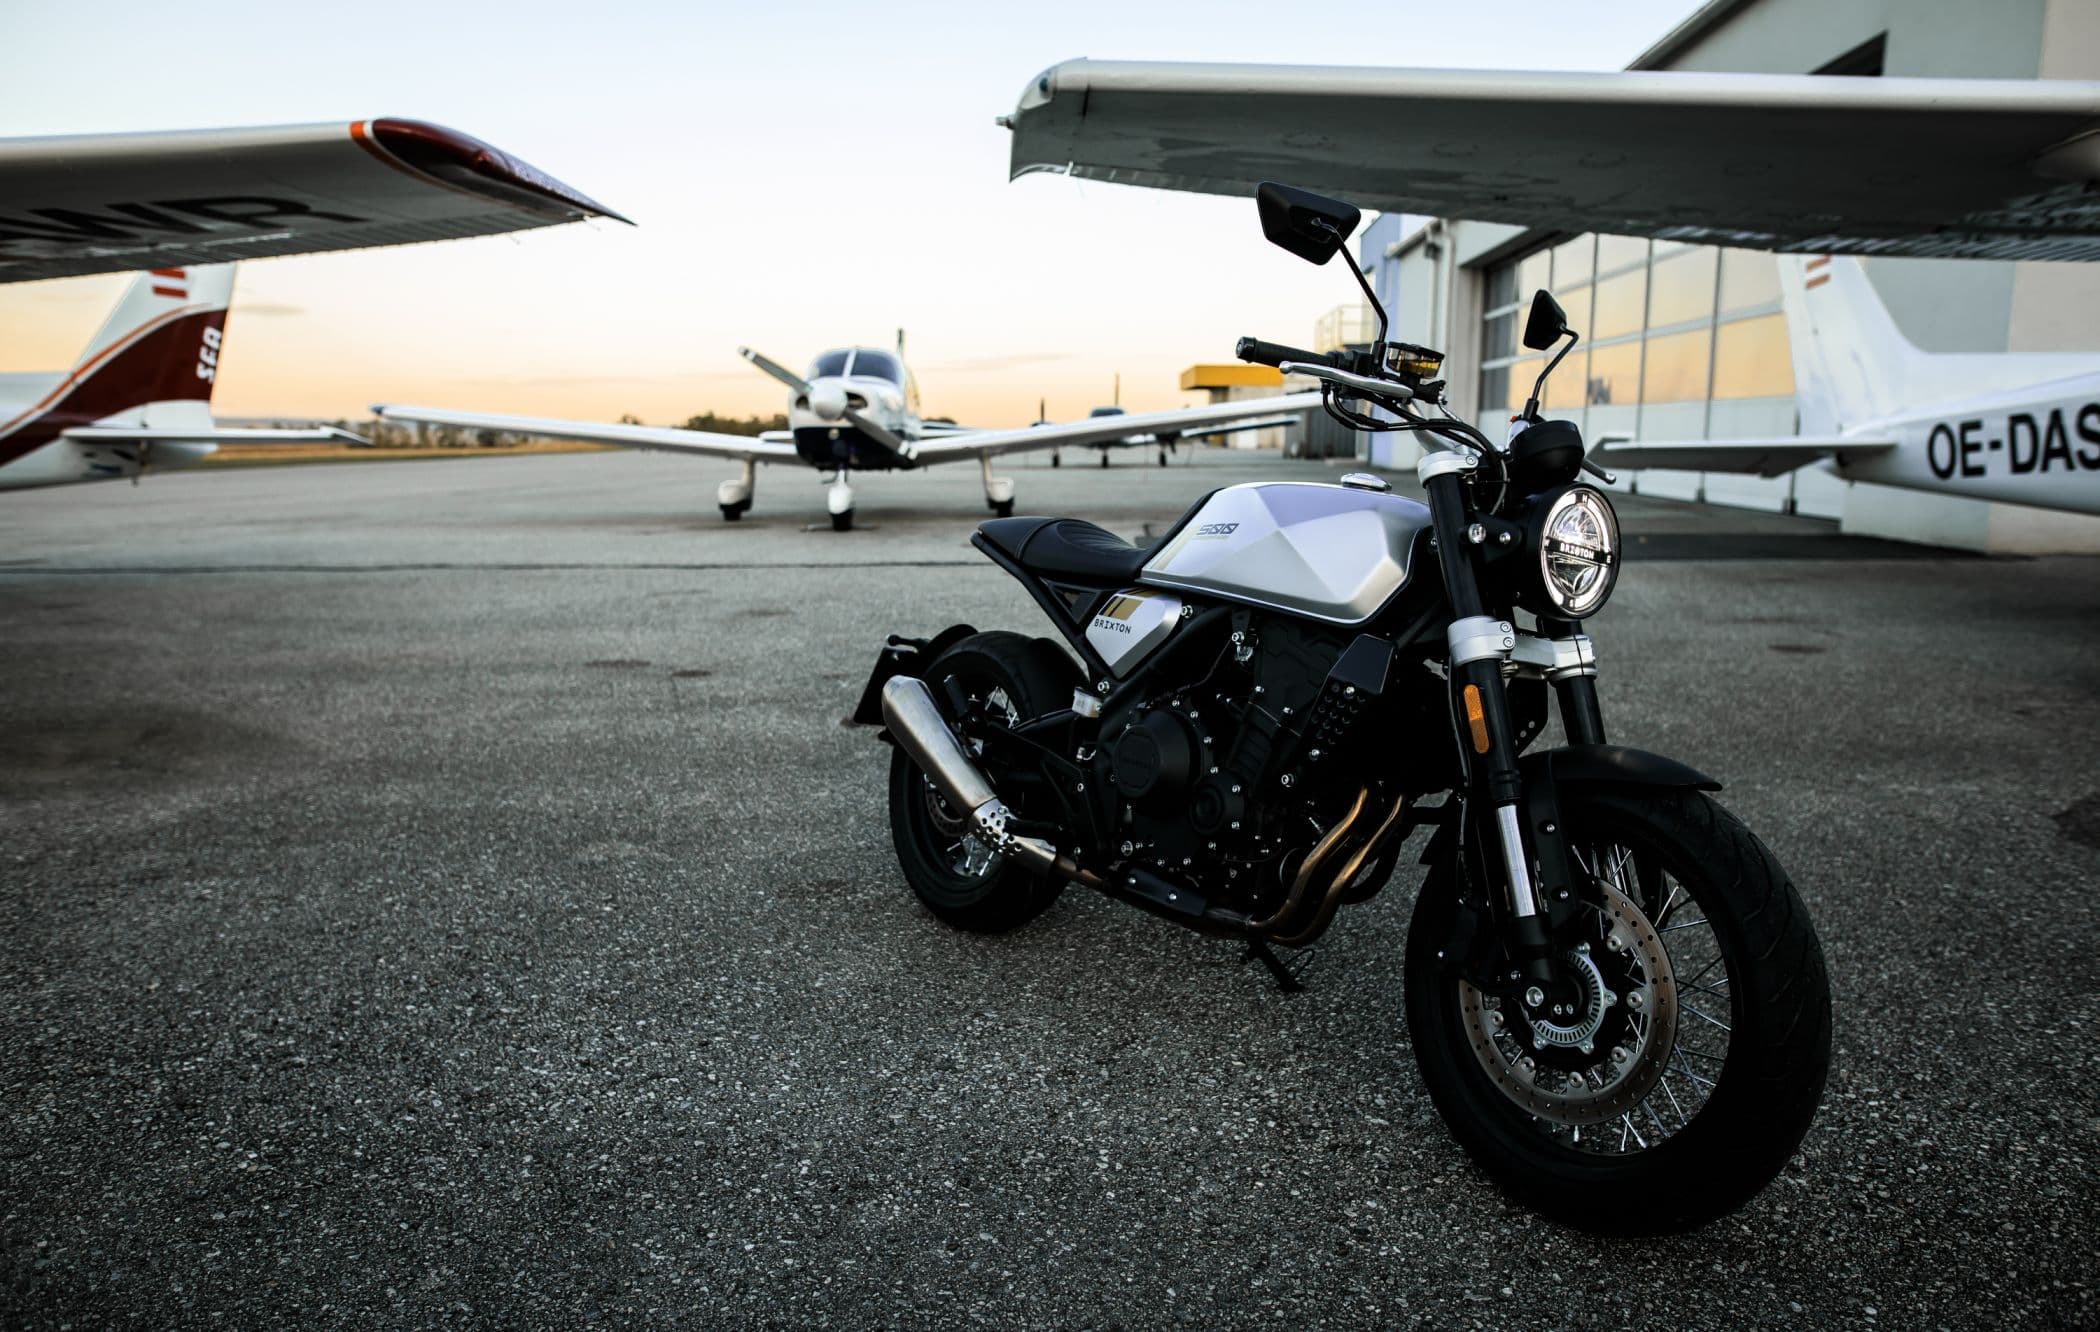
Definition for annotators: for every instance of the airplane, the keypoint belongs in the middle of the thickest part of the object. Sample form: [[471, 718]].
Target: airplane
[[857, 408], [2017, 427], [1961, 168], [181, 206], [139, 397], [1164, 441]]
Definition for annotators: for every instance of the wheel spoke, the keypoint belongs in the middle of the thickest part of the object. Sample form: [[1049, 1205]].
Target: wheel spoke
[[1681, 925], [1708, 1017]]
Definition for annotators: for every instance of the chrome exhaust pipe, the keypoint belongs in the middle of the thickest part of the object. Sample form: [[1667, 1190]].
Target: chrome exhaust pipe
[[919, 728]]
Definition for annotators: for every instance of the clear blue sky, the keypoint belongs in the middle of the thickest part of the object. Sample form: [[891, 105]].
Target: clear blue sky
[[804, 175]]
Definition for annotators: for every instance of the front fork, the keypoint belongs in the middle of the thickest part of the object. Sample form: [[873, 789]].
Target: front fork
[[1480, 646]]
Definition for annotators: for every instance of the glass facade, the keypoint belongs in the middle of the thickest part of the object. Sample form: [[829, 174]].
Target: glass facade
[[1679, 342]]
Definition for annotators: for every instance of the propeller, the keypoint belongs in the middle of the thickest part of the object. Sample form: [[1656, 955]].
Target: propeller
[[874, 430]]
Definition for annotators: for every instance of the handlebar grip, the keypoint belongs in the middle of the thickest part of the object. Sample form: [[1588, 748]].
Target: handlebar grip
[[1276, 353]]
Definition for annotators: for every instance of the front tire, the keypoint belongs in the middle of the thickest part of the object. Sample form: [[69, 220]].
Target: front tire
[[842, 522], [955, 876], [1711, 1025]]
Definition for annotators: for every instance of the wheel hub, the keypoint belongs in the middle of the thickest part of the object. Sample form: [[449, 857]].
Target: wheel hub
[[1601, 1060]]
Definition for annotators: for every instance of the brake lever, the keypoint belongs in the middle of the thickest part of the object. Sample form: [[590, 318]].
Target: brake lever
[[1377, 388], [1594, 470]]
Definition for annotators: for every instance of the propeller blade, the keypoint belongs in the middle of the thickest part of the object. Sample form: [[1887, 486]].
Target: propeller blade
[[874, 430], [775, 369]]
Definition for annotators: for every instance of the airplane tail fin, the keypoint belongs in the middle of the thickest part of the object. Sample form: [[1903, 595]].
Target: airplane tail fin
[[1851, 362], [156, 357]]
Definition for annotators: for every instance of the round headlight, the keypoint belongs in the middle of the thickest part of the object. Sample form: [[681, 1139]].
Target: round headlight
[[1575, 539]]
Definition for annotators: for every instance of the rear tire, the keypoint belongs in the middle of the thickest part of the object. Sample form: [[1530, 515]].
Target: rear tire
[[1734, 1129], [955, 877]]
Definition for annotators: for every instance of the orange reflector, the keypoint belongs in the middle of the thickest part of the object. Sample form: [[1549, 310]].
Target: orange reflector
[[1477, 719]]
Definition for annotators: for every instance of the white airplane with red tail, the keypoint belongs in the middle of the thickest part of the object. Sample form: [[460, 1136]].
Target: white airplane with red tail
[[183, 205], [139, 398]]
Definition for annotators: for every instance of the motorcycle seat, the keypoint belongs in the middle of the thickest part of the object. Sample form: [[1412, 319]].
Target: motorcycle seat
[[1065, 548]]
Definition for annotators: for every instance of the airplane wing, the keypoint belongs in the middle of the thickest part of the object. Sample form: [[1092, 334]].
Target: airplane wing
[[1235, 428], [1765, 457], [1104, 429], [215, 435], [101, 203], [665, 439], [1984, 168]]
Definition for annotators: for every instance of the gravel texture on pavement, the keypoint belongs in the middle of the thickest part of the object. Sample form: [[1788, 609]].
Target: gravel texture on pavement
[[446, 895]]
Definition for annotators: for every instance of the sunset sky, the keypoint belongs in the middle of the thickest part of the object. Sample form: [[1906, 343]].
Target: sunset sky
[[804, 175]]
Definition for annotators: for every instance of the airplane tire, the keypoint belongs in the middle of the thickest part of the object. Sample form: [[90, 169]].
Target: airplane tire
[[732, 512], [1003, 508], [1104, 458], [1162, 457], [1054, 461], [842, 522]]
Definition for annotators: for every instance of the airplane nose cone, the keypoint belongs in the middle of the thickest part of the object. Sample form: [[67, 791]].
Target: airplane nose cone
[[828, 401]]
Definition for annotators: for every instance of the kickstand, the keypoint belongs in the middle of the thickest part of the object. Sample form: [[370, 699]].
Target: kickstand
[[1258, 950]]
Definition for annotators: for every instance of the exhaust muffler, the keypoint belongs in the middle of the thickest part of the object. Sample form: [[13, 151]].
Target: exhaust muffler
[[919, 728]]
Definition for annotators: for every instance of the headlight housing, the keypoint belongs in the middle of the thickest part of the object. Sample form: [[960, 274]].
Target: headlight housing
[[1573, 548]]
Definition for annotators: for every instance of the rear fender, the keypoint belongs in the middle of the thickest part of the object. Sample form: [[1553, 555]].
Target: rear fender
[[902, 656]]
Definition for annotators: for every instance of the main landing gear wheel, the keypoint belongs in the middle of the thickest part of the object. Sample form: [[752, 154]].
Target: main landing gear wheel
[[842, 522], [1054, 460], [1685, 1071], [1162, 457], [732, 512], [1104, 457], [1002, 508], [957, 877]]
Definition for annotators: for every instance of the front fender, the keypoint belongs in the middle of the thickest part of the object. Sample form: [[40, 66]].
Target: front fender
[[1611, 763]]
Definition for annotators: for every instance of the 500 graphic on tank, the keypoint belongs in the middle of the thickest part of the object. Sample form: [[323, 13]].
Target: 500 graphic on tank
[[1616, 999]]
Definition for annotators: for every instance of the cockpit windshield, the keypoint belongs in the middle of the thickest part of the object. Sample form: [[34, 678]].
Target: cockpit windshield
[[828, 365], [877, 365]]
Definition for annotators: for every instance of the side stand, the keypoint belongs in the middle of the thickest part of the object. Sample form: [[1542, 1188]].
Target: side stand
[[1258, 950]]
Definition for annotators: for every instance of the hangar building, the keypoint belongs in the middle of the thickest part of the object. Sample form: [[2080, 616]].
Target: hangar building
[[1688, 342]]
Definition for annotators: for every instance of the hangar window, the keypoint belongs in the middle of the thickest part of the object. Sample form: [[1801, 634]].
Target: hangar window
[[1752, 359], [1615, 375], [1676, 367], [1620, 305], [1749, 279], [1681, 289]]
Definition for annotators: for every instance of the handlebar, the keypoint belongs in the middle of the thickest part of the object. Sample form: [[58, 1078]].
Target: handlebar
[[1276, 353]]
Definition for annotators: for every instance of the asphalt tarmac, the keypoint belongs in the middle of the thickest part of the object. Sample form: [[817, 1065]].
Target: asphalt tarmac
[[447, 895]]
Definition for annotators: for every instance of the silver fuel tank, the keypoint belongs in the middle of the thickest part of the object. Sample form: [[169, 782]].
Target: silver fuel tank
[[1334, 553]]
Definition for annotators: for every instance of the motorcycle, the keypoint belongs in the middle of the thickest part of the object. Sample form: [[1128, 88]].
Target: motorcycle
[[1615, 996]]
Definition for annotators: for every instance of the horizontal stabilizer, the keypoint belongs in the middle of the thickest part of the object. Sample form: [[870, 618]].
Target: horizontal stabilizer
[[1764, 457], [667, 439]]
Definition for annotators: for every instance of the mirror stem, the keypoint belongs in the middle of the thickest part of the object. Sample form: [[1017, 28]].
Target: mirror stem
[[1377, 348], [1531, 404]]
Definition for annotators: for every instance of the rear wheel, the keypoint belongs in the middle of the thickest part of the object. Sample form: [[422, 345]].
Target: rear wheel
[[957, 876], [1683, 1078]]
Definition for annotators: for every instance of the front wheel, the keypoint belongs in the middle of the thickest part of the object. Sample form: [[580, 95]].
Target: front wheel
[[1682, 1079]]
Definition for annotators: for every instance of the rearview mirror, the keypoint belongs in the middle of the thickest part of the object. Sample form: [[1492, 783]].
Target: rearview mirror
[[1546, 324], [1311, 226]]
